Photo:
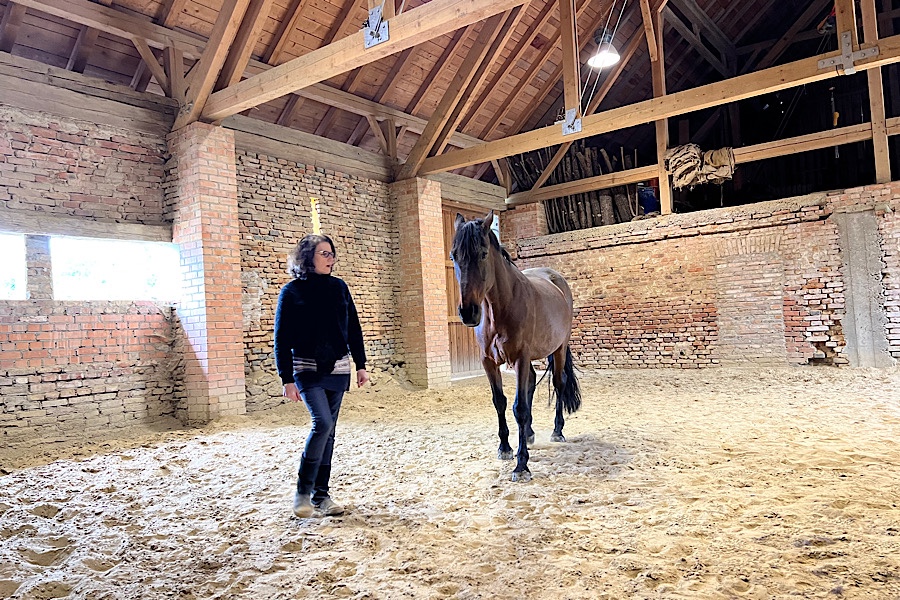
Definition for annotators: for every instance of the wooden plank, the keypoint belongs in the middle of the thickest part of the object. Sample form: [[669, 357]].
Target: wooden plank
[[845, 20], [415, 26], [715, 94], [31, 70], [470, 192], [413, 106], [284, 118], [10, 25], [206, 71], [39, 223], [514, 57]]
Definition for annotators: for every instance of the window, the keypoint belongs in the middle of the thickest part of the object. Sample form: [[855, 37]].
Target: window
[[92, 269], [13, 270]]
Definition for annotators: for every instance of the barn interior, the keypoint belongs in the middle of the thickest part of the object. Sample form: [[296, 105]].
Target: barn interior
[[723, 200]]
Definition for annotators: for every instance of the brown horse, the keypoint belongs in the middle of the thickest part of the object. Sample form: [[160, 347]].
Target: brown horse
[[518, 316]]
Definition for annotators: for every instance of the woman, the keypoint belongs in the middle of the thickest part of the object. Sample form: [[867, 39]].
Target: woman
[[315, 324]]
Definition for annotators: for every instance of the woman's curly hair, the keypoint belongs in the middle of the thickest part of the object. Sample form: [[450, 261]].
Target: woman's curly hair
[[300, 261]]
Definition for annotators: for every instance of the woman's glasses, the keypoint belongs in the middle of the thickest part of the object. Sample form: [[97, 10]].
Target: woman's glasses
[[325, 254]]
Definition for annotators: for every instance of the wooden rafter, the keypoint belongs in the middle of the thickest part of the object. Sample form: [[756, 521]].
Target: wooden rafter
[[525, 80], [248, 34], [703, 24], [395, 72], [454, 94], [647, 19], [415, 26], [84, 45], [777, 49], [286, 26], [10, 25], [152, 64], [769, 80], [458, 36], [478, 80], [633, 44], [293, 103], [206, 70], [514, 57], [696, 43]]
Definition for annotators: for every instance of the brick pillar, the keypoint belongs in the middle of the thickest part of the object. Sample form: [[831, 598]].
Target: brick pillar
[[423, 285], [39, 283], [206, 229], [522, 222]]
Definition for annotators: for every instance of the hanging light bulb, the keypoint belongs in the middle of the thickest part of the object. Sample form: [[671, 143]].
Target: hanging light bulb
[[606, 55]]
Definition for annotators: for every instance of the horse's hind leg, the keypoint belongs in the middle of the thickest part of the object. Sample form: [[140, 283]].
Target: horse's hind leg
[[559, 363], [492, 370]]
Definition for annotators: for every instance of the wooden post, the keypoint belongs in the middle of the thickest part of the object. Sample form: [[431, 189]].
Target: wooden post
[[876, 99], [658, 70]]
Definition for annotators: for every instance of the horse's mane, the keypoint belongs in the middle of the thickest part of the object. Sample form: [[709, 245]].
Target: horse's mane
[[468, 241]]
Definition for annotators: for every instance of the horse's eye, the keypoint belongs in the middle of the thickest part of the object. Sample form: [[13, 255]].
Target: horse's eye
[[452, 257], [484, 255]]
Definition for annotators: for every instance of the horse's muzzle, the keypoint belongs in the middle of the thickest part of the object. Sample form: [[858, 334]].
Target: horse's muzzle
[[470, 315]]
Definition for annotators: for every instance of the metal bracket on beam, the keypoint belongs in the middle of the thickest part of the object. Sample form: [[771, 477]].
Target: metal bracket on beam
[[375, 28], [571, 124], [845, 62]]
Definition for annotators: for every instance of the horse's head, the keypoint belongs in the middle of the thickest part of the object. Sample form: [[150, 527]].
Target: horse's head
[[471, 247]]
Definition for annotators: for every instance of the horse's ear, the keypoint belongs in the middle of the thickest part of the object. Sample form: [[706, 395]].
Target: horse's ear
[[488, 221], [458, 222]]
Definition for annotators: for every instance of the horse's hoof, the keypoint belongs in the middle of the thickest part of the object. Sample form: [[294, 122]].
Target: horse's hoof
[[530, 439], [522, 476], [505, 454], [557, 437]]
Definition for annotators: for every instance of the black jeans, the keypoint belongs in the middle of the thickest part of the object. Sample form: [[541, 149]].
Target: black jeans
[[315, 467]]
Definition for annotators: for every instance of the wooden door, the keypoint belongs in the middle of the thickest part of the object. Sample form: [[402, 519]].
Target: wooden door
[[465, 356]]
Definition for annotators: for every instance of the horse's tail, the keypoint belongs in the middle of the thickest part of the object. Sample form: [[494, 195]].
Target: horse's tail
[[570, 393]]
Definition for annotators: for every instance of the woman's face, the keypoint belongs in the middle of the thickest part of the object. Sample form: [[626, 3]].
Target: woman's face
[[323, 260]]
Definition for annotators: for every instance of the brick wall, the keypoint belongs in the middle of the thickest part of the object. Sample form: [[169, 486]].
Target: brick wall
[[79, 366], [66, 167], [358, 214], [759, 284]]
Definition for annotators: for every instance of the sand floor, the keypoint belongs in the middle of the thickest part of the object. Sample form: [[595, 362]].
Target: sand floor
[[674, 484]]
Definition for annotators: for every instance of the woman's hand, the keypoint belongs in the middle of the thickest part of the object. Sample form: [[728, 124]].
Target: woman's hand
[[291, 392], [361, 378]]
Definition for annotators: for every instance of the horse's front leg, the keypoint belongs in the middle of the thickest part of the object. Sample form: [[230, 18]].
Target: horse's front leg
[[522, 412], [492, 370]]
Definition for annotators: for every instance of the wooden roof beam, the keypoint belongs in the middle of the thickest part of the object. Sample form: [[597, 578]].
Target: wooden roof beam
[[396, 69], [458, 36], [415, 26], [715, 94], [703, 23], [84, 45]]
